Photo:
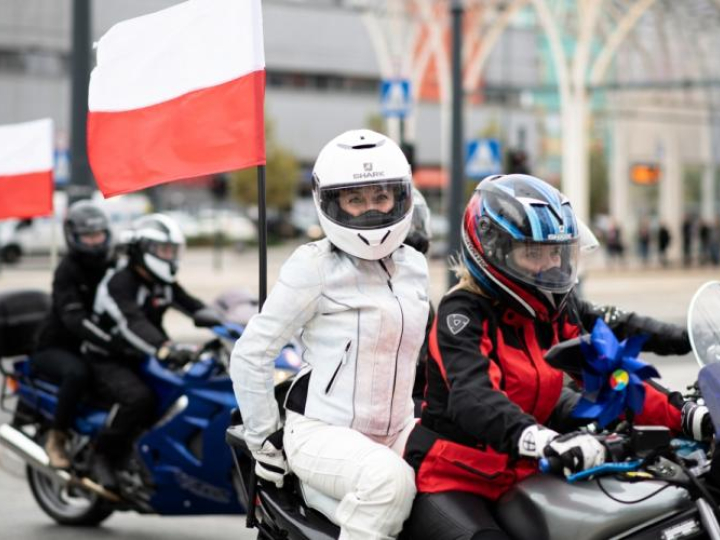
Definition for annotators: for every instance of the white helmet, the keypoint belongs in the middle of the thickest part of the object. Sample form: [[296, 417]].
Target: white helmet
[[362, 188], [155, 245]]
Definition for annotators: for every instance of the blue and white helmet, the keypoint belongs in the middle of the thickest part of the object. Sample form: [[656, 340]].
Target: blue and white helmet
[[155, 244], [521, 242]]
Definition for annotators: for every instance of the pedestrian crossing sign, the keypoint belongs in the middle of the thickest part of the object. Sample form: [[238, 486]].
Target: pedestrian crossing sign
[[482, 158], [395, 98]]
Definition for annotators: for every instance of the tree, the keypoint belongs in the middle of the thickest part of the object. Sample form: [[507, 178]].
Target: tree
[[282, 177], [375, 122]]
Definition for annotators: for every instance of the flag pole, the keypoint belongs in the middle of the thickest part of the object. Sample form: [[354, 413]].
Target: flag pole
[[250, 520], [262, 235]]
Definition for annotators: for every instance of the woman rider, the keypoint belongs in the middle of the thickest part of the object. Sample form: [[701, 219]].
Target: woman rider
[[359, 299], [493, 404]]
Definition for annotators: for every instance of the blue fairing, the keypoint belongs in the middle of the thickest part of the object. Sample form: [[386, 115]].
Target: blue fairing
[[185, 451]]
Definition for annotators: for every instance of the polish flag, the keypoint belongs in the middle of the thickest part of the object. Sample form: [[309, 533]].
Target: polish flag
[[26, 162], [177, 94]]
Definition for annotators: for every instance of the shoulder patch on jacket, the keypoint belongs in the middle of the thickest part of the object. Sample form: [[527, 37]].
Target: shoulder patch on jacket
[[456, 322]]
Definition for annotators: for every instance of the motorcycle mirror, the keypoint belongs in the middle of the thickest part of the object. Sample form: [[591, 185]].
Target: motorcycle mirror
[[207, 318], [568, 356], [703, 323], [709, 383]]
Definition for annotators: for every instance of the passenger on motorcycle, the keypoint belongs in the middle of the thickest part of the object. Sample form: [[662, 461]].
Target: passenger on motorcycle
[[419, 237], [57, 354], [129, 307], [493, 404], [360, 299]]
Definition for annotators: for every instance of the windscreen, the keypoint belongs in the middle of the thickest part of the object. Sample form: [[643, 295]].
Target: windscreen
[[704, 323]]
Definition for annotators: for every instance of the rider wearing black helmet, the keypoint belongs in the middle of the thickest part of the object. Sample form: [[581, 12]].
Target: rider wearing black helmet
[[130, 305], [89, 239]]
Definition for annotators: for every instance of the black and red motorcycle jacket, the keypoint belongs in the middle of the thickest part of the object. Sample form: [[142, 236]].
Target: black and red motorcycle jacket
[[487, 380]]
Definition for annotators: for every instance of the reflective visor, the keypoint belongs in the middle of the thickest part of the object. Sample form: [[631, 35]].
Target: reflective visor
[[167, 251], [549, 266], [370, 205], [92, 239]]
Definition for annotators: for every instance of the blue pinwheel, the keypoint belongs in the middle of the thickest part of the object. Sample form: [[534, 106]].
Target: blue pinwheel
[[612, 376]]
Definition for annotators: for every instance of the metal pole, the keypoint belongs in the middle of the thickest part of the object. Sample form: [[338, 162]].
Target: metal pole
[[218, 239], [250, 520], [262, 235], [455, 204], [81, 183]]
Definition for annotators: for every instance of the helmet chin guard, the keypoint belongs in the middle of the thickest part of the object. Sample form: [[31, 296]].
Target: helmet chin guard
[[362, 191], [163, 270]]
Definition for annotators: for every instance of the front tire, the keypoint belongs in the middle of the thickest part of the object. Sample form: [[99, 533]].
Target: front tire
[[66, 504]]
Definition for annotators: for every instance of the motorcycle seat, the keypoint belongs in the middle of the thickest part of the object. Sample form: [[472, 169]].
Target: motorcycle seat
[[93, 399], [289, 508]]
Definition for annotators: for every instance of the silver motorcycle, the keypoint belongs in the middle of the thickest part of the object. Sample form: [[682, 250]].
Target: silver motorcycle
[[651, 486]]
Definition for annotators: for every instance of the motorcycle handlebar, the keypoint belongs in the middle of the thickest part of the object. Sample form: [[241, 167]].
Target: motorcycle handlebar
[[617, 449], [551, 465]]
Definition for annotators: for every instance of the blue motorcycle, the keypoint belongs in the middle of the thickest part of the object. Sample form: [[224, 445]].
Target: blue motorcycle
[[180, 466]]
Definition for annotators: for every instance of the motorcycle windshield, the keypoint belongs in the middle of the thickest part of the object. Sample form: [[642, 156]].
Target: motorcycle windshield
[[704, 324]]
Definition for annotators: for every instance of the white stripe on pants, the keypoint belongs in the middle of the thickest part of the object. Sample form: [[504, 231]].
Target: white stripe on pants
[[374, 485]]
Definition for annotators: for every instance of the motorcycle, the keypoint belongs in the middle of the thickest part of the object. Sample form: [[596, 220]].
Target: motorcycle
[[651, 486], [179, 466]]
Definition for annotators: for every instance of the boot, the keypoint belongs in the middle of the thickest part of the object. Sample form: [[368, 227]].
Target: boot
[[103, 471], [55, 449]]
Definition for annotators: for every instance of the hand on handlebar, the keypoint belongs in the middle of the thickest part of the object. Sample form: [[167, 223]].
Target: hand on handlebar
[[176, 355], [576, 451], [534, 439]]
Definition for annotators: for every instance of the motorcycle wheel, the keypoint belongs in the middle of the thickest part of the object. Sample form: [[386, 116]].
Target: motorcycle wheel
[[65, 504]]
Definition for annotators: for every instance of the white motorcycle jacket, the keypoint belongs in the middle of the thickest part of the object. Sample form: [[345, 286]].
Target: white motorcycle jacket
[[363, 323]]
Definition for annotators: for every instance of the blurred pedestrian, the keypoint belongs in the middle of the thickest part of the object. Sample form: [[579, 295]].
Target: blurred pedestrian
[[704, 237], [664, 239], [643, 241], [715, 242], [614, 244], [687, 240]]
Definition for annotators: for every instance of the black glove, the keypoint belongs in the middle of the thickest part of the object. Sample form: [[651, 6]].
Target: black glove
[[176, 355], [696, 422]]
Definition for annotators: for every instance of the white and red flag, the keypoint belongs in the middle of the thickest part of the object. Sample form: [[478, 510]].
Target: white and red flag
[[176, 94], [26, 163]]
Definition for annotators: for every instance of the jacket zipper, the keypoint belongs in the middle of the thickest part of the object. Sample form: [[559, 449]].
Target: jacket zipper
[[342, 362], [397, 352], [473, 470]]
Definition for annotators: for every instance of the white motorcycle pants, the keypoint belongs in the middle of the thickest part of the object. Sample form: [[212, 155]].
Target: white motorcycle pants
[[373, 485]]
